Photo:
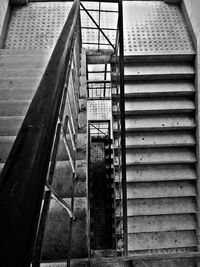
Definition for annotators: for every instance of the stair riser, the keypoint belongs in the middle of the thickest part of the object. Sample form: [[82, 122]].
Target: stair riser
[[160, 189], [175, 239], [14, 73], [161, 206], [161, 223], [168, 172]]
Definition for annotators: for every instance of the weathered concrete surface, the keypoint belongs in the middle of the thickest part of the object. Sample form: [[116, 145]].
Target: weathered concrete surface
[[193, 8], [4, 18], [165, 263], [56, 239], [62, 182], [81, 148]]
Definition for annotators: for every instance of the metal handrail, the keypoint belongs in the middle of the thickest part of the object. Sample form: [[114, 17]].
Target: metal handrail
[[23, 178]]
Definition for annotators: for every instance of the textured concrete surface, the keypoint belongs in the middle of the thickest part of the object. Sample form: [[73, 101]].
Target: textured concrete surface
[[56, 238], [4, 13], [63, 173], [193, 9]]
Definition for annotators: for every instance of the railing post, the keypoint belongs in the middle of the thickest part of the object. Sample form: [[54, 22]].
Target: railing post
[[123, 134]]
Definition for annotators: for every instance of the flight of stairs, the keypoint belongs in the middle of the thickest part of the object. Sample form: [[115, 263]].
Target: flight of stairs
[[160, 153], [20, 74]]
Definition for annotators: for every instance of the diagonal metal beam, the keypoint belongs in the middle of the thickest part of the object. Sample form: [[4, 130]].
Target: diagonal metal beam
[[96, 24]]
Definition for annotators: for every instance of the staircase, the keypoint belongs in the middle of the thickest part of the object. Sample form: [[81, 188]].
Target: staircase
[[20, 74], [160, 143]]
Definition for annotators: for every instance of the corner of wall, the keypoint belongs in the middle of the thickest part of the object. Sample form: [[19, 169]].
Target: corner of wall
[[4, 20]]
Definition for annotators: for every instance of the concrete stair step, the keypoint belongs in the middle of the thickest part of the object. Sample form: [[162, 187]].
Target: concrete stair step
[[159, 139], [167, 172], [160, 189], [159, 88], [21, 62], [18, 83], [158, 122], [18, 93], [158, 240], [160, 206], [29, 59], [146, 57], [161, 223], [158, 106], [86, 263], [25, 52], [155, 71], [10, 125], [18, 72], [160, 155], [14, 107]]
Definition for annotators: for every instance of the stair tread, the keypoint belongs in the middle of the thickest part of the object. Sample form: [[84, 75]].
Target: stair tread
[[13, 93], [27, 52], [155, 68], [18, 82], [159, 139], [30, 61], [158, 88], [15, 72], [160, 172], [158, 122], [160, 189], [160, 155], [158, 206], [159, 223], [138, 106], [170, 239]]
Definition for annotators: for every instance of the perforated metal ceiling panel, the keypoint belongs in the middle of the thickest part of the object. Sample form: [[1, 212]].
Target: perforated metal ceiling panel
[[154, 27], [99, 110], [36, 25]]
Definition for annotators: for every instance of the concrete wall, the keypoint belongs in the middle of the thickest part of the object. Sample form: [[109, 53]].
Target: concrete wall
[[4, 18], [193, 10]]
